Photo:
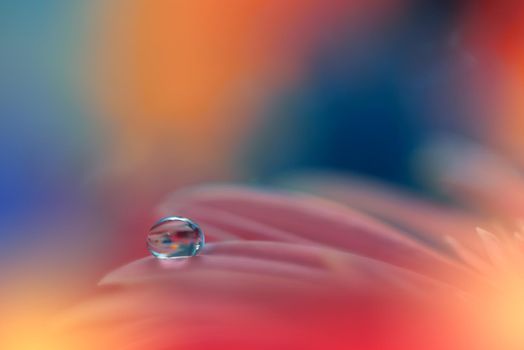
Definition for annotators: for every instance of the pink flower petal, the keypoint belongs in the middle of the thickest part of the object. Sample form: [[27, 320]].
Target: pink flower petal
[[258, 215], [423, 220], [223, 299]]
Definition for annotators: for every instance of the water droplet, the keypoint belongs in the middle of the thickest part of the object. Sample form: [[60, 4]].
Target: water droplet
[[175, 237]]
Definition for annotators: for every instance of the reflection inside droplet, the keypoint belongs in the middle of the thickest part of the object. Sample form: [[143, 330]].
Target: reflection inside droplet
[[175, 237]]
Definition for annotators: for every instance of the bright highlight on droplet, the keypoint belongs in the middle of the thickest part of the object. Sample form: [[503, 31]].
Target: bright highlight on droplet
[[175, 237]]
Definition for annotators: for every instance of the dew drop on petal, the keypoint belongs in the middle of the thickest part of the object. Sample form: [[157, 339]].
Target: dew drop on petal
[[175, 237]]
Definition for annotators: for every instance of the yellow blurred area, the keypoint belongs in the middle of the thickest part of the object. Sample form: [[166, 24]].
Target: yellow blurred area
[[27, 324], [31, 304], [29, 330], [504, 315]]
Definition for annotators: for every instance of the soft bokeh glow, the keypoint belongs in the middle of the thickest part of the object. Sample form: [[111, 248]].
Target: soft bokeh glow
[[108, 107]]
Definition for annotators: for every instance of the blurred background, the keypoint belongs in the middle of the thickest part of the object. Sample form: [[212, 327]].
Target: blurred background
[[106, 107]]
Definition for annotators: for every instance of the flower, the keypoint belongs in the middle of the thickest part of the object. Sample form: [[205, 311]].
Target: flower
[[368, 269]]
